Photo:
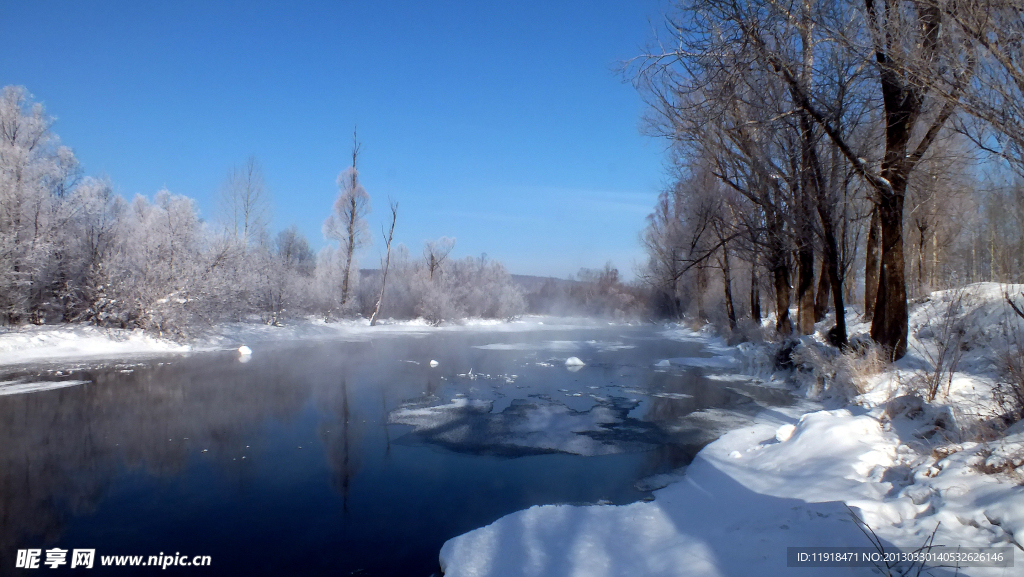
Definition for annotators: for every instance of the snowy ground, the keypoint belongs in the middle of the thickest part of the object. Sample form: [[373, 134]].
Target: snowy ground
[[910, 469]]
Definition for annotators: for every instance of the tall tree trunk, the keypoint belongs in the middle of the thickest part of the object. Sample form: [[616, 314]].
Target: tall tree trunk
[[805, 289], [348, 264], [889, 323], [824, 289], [702, 284], [730, 310], [872, 264], [780, 274], [921, 229], [755, 295], [934, 269]]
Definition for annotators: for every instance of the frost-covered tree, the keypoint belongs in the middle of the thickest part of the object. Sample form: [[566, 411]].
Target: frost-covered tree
[[89, 239], [36, 174], [347, 223], [287, 269]]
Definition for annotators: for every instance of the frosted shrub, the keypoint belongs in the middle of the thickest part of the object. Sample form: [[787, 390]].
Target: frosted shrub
[[835, 374], [438, 301]]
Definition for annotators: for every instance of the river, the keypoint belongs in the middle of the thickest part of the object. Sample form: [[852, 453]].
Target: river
[[347, 457]]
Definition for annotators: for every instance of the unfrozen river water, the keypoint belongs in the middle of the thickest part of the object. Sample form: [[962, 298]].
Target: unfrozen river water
[[347, 457]]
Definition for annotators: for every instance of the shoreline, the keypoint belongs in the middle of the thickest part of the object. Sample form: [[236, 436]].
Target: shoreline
[[861, 442], [28, 344]]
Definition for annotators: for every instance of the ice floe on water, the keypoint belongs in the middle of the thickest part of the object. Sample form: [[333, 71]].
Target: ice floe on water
[[558, 346], [667, 395], [717, 362], [534, 425], [532, 346], [19, 386], [660, 481]]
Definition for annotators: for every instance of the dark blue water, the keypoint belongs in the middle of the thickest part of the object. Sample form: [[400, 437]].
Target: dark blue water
[[296, 462]]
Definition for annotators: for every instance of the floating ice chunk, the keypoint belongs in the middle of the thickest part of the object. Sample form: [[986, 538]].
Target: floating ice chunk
[[655, 482], [574, 362], [244, 351], [667, 395], [719, 362], [19, 387], [433, 363]]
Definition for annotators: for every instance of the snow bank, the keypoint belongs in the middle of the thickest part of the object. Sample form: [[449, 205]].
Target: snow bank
[[745, 499], [908, 469], [38, 343], [723, 518]]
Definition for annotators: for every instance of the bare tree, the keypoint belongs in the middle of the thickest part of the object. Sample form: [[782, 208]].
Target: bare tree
[[245, 200], [902, 42], [994, 29], [347, 224], [435, 252], [385, 264]]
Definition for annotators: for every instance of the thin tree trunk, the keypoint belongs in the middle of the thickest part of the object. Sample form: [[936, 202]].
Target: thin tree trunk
[[387, 264], [781, 277], [920, 258], [932, 273], [702, 283], [872, 264], [755, 295], [805, 289], [730, 310], [824, 290]]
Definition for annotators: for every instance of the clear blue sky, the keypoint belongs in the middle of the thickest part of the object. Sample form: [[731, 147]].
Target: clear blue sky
[[503, 124]]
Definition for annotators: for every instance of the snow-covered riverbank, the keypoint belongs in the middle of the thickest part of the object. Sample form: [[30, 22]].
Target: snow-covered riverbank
[[27, 344], [909, 469]]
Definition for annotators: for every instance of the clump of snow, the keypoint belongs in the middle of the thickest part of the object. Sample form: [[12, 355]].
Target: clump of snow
[[785, 433], [433, 363], [574, 362]]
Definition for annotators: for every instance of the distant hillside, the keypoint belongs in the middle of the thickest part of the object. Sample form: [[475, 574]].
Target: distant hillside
[[532, 284], [529, 283]]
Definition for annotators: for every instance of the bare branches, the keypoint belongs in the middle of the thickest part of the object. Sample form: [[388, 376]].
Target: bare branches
[[245, 202]]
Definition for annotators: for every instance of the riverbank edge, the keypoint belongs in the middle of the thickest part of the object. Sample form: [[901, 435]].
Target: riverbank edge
[[866, 449], [82, 342]]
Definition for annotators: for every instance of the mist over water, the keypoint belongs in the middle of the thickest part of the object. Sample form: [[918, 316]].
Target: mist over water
[[347, 457]]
